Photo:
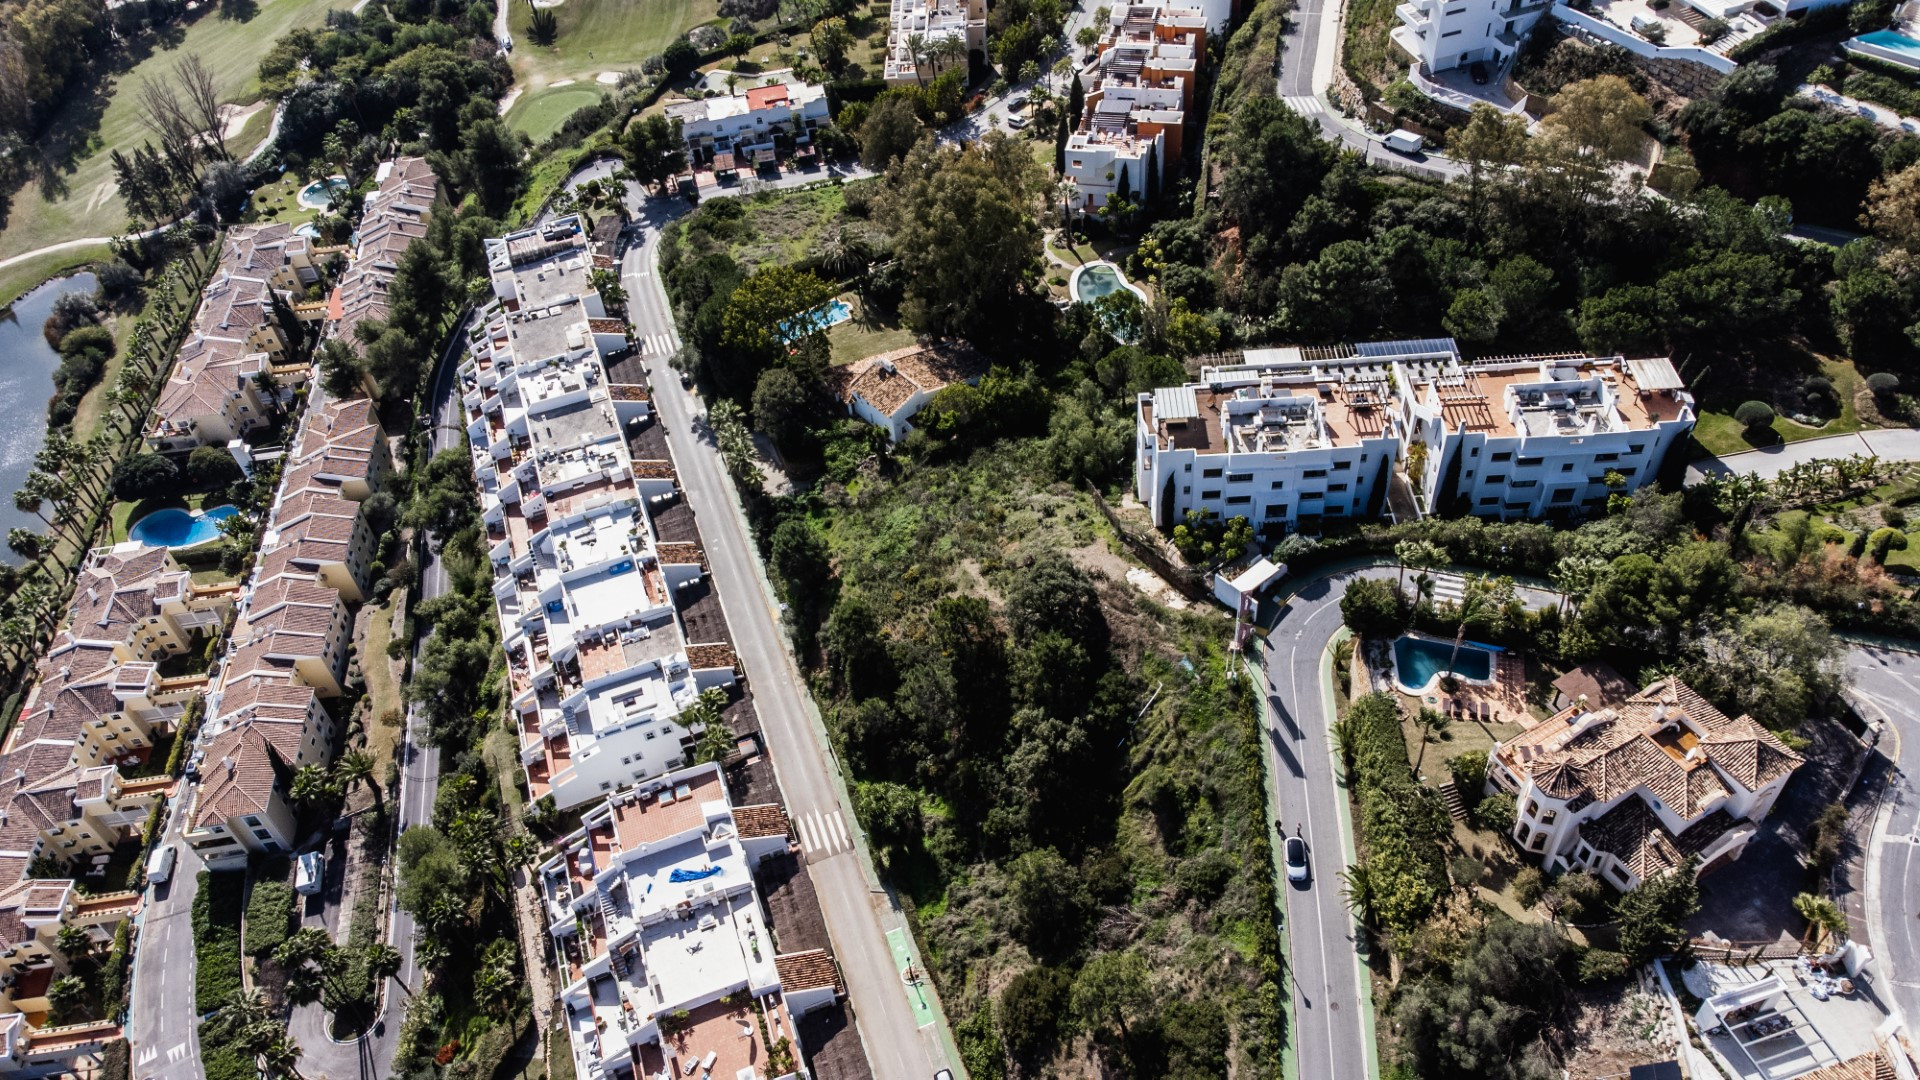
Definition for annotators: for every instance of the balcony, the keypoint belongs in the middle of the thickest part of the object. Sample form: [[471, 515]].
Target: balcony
[[1415, 15]]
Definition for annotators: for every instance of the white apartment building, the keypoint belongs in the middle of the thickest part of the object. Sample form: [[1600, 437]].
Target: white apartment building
[[666, 958], [927, 23], [1443, 34], [1631, 789], [1537, 438], [1139, 87], [762, 123], [1286, 446], [600, 664], [1290, 442]]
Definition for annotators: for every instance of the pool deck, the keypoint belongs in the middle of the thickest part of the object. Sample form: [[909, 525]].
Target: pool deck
[[1503, 701]]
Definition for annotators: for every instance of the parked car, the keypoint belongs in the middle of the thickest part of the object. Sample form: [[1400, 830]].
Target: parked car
[[160, 864], [1016, 122], [1296, 859], [1478, 71], [1016, 103], [310, 874]]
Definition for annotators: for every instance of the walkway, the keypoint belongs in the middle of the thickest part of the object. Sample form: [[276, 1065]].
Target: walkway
[[1887, 444]]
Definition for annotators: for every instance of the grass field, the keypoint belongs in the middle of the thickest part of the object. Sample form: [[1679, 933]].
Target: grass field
[[540, 113], [22, 276], [280, 201], [860, 337], [83, 201], [599, 35], [1718, 433]]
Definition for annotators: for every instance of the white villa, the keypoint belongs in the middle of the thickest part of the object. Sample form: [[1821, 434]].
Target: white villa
[[751, 127], [667, 961], [599, 661], [1631, 789], [1139, 87], [927, 23]]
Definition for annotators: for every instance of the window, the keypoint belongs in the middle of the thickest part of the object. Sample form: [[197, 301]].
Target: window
[[1336, 487], [606, 785], [1214, 494], [1522, 833], [1620, 876], [1606, 457], [1489, 500], [1567, 467], [1240, 478], [1497, 478], [252, 821], [1210, 474], [1539, 842], [1239, 500], [1469, 474], [1341, 466], [1526, 483], [1548, 817], [1188, 467], [1336, 511], [1279, 485], [1278, 510], [1310, 495], [262, 834], [1528, 462], [1564, 495], [1636, 448], [1504, 455], [1533, 808]]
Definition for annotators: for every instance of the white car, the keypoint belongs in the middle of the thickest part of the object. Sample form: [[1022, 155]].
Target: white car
[[1296, 859]]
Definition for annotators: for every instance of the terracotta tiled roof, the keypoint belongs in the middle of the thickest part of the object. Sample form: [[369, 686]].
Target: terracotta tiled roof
[[764, 820], [1869, 1066], [807, 970], [888, 381], [243, 764]]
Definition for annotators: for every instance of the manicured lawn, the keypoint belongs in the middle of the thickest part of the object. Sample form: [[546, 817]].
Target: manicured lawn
[[280, 201], [15, 280], [540, 113], [1719, 434], [861, 337], [84, 202], [600, 35]]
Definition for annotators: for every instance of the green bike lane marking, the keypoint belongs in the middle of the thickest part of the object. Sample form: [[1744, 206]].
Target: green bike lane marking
[[915, 987]]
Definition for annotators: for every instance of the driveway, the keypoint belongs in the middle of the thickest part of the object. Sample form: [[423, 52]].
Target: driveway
[[1888, 444]]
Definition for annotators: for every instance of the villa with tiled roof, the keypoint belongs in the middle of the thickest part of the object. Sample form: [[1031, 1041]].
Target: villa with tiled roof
[[887, 390], [1633, 790]]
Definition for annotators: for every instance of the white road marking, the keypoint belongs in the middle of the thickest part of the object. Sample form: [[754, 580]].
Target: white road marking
[[178, 1053], [1305, 105], [840, 830], [147, 1055], [806, 833]]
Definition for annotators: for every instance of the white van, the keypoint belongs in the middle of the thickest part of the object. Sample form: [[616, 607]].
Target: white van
[[1403, 141], [160, 864], [310, 874]]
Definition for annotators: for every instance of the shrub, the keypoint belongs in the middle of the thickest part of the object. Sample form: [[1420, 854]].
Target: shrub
[[1884, 540], [1894, 516], [1712, 30], [269, 916], [1401, 822], [1495, 813], [1603, 966], [1469, 776], [216, 939], [1883, 382], [1754, 415], [1529, 886], [144, 476], [1372, 608]]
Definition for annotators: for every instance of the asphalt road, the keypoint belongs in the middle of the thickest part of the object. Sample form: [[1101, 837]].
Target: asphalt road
[[1328, 982], [857, 916], [1891, 680], [162, 1030]]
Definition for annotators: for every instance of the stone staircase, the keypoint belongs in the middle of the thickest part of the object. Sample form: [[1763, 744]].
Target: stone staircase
[[1451, 796]]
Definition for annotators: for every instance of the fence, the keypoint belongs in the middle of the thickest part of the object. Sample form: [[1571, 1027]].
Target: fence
[[1188, 582]]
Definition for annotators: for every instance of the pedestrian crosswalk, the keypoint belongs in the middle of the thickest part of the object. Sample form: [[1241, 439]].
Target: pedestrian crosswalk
[[1448, 588], [656, 344], [822, 834], [1306, 105]]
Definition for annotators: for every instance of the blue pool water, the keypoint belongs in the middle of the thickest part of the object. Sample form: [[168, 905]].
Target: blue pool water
[[832, 313], [1894, 42], [1417, 660], [315, 196], [172, 528], [1097, 281]]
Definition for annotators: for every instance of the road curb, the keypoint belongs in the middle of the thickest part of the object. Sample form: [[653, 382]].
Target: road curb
[[1343, 812]]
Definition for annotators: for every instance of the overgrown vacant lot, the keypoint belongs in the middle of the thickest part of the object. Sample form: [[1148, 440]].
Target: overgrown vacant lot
[[78, 198]]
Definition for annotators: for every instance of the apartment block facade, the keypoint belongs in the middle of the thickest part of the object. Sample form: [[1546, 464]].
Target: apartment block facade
[[766, 120], [1139, 88], [1443, 34], [600, 661], [928, 23], [1292, 441]]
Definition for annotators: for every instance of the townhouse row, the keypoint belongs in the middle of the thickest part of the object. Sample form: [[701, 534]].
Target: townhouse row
[[1139, 88], [1293, 442], [665, 955], [265, 717]]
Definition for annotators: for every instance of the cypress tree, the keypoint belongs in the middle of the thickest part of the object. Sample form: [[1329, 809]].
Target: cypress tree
[[1151, 187], [1076, 101], [1059, 147], [1125, 187]]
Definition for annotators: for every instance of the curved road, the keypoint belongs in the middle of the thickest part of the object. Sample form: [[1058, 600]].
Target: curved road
[[1890, 678]]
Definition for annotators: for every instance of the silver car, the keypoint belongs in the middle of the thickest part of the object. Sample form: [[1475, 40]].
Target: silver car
[[1296, 859]]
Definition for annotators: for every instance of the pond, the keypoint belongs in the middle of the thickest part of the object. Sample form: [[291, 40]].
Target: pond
[[1417, 662], [27, 364]]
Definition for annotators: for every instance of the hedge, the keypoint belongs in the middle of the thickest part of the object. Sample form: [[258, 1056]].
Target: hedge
[[216, 939], [269, 916], [1789, 32], [1401, 822]]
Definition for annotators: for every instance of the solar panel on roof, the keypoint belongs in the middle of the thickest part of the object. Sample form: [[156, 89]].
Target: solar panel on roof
[[1415, 347]]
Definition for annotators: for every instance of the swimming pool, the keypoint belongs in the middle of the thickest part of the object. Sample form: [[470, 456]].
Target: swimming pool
[[317, 195], [1889, 45], [831, 313], [1417, 662], [174, 528], [1095, 280]]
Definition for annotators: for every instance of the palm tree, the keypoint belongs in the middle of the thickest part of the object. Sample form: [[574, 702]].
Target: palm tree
[[947, 50], [28, 501], [311, 785], [917, 49], [25, 543], [354, 767], [279, 1057], [65, 995], [1360, 894], [1421, 555], [383, 961], [1482, 594], [242, 1010]]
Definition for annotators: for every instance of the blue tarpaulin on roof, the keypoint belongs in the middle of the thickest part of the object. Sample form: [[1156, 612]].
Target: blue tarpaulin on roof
[[693, 875]]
